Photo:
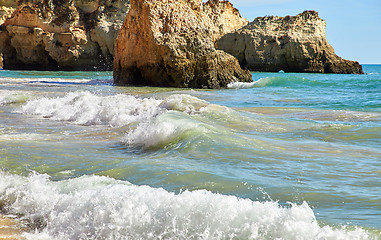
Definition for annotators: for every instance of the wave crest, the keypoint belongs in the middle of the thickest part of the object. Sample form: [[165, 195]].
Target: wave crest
[[85, 108], [95, 207], [150, 122]]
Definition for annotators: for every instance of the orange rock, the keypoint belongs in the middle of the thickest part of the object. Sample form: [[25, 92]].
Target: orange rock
[[170, 43], [291, 43], [60, 34]]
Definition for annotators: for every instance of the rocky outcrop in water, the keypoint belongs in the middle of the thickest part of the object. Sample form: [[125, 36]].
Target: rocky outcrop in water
[[171, 43], [60, 34], [291, 43]]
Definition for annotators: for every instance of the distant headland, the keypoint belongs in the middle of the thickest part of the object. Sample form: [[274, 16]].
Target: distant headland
[[170, 43]]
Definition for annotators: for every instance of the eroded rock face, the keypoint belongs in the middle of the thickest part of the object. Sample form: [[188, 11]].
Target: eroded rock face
[[291, 44], [225, 17], [170, 43], [60, 34]]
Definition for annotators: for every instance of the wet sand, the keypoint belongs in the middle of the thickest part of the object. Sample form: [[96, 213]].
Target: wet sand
[[10, 229]]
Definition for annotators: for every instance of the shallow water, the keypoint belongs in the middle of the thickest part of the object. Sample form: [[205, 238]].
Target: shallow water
[[290, 156]]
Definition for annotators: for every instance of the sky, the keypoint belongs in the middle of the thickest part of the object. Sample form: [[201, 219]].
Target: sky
[[353, 26]]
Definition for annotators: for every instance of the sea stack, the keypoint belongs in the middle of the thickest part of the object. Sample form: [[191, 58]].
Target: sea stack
[[291, 43], [170, 43], [60, 34]]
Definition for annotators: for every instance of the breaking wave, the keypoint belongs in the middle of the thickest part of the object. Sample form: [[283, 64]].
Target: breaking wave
[[279, 81], [85, 108], [94, 207], [150, 122]]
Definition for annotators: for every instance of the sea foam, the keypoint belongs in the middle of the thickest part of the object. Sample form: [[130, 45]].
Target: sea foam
[[262, 82], [94, 207], [151, 122], [241, 85], [85, 108]]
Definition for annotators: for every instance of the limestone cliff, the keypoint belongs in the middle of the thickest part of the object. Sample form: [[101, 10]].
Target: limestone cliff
[[225, 17], [60, 34], [291, 43], [170, 43]]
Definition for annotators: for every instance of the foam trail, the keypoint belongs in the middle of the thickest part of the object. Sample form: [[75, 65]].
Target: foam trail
[[93, 207]]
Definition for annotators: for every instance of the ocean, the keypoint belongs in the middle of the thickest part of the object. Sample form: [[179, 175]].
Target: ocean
[[289, 156]]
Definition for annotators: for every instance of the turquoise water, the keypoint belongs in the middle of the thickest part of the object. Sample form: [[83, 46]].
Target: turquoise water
[[289, 156]]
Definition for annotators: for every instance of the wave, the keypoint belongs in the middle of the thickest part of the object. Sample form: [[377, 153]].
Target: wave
[[179, 118], [186, 117], [242, 85], [310, 80], [85, 108], [273, 81], [170, 127], [150, 122], [95, 207]]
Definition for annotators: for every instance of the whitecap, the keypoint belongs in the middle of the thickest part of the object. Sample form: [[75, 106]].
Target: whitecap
[[184, 103], [150, 122], [93, 207], [241, 85], [85, 108], [162, 130]]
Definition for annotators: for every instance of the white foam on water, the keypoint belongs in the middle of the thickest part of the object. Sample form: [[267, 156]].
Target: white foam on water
[[184, 103], [85, 108], [94, 207], [176, 123], [262, 82], [152, 122], [241, 85], [162, 130]]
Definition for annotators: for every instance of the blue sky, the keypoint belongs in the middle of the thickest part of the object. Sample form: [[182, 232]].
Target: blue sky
[[353, 26]]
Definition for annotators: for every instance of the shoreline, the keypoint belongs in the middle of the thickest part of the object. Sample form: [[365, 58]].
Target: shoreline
[[10, 229]]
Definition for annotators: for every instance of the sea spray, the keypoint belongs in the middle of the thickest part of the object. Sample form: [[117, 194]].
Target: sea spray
[[94, 207]]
